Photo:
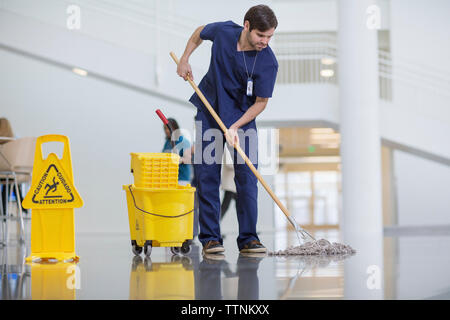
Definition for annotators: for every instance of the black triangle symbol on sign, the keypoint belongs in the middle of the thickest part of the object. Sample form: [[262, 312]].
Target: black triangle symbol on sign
[[52, 199]]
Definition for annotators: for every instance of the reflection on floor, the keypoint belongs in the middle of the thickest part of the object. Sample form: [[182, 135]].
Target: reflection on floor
[[414, 267]]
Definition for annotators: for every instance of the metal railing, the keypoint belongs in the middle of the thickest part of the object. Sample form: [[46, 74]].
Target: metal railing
[[306, 57], [312, 58]]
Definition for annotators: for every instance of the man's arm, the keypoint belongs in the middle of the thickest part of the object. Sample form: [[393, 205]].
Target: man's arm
[[252, 112], [184, 68]]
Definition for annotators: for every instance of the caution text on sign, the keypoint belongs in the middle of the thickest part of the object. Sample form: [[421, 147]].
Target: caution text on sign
[[53, 188]]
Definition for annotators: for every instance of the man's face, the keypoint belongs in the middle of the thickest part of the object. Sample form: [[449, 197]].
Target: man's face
[[259, 39]]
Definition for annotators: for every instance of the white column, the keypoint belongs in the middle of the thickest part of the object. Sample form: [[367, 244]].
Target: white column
[[360, 148]]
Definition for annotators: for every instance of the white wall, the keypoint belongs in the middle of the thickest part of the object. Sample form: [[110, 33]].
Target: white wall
[[420, 112], [422, 191], [97, 56], [421, 271], [316, 15], [302, 102], [420, 49], [399, 123], [419, 32], [143, 33]]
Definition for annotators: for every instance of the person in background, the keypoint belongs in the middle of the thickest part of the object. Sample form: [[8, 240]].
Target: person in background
[[179, 145], [188, 158]]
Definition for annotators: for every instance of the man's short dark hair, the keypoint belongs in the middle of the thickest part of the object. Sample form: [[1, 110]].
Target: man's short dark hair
[[261, 17]]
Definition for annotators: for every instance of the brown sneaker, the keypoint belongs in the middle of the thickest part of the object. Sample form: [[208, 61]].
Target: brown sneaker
[[213, 246], [253, 246]]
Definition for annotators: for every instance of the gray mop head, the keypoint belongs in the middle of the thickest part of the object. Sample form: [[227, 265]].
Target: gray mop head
[[320, 247]]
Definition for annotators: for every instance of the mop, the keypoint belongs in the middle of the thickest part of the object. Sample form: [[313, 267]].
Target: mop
[[309, 245], [320, 247]]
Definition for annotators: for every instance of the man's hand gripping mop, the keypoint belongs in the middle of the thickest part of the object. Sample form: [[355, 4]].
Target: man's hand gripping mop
[[310, 244]]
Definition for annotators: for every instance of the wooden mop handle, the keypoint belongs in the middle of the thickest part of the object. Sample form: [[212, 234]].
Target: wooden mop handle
[[236, 146]]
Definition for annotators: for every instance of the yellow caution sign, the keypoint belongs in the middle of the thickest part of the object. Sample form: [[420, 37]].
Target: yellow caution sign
[[53, 189], [52, 198]]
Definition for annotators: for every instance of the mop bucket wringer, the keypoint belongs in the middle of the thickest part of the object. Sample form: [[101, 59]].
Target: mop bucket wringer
[[160, 212]]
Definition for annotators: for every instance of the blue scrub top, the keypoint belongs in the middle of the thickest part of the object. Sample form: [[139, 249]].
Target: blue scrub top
[[225, 83], [184, 170]]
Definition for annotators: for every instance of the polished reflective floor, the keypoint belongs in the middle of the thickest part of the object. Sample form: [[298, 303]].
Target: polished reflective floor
[[414, 266]]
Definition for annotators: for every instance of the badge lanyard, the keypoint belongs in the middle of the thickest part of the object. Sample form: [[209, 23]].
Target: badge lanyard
[[249, 77]]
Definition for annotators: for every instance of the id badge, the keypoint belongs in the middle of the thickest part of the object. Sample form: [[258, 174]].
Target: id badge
[[249, 87]]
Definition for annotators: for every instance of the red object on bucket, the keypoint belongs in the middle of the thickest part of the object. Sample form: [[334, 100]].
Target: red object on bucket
[[167, 124], [162, 117]]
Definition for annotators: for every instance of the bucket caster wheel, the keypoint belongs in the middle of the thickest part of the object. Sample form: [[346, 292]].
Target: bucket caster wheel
[[175, 250], [148, 248], [185, 247], [137, 250]]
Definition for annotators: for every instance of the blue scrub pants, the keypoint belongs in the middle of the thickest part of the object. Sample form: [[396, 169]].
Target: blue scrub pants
[[208, 175]]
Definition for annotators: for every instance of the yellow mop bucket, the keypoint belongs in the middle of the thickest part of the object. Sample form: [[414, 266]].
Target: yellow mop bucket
[[160, 211], [160, 218], [52, 198]]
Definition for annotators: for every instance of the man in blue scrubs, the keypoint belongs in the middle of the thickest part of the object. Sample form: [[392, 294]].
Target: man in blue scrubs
[[238, 84]]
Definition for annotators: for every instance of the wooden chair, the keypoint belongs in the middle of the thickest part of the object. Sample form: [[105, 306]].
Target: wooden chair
[[16, 166]]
